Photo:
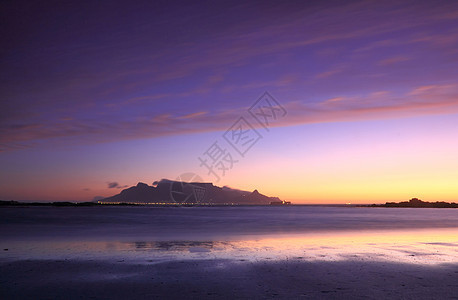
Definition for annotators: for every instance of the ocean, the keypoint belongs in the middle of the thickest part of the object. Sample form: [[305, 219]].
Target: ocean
[[149, 233]]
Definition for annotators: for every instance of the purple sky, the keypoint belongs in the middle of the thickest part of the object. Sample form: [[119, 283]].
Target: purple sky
[[101, 92]]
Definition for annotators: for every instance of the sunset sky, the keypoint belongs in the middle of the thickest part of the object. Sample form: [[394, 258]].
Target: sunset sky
[[97, 96]]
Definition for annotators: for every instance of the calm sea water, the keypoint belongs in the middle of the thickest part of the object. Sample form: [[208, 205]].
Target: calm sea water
[[257, 232], [203, 223]]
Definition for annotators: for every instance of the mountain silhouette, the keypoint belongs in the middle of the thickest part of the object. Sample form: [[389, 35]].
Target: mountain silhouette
[[171, 192]]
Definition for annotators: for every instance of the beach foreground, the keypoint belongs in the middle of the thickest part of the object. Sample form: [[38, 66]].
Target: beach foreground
[[226, 279]]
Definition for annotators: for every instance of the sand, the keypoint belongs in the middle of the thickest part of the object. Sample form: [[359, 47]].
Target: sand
[[226, 279]]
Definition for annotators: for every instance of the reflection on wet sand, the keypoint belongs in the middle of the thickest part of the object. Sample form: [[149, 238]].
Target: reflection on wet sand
[[173, 245], [414, 246], [424, 247]]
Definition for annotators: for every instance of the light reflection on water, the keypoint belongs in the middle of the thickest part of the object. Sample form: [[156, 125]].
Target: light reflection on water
[[433, 246]]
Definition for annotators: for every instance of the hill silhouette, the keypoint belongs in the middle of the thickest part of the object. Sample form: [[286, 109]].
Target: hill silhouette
[[415, 202], [173, 192]]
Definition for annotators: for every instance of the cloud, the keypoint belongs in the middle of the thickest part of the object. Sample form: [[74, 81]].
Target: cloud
[[328, 73], [430, 90], [112, 185], [149, 98], [420, 100], [393, 60], [446, 39], [380, 94], [193, 115], [378, 44], [335, 99]]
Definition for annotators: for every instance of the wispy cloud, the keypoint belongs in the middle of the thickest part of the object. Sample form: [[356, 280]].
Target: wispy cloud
[[421, 100], [334, 100], [377, 45], [329, 73], [193, 115], [392, 60], [114, 184]]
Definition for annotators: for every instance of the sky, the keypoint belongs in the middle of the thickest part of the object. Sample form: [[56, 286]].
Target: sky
[[361, 103]]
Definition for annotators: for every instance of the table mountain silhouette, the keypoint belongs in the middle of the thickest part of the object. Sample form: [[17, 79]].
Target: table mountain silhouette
[[169, 191]]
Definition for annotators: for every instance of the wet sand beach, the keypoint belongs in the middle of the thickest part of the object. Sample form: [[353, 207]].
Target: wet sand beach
[[226, 279]]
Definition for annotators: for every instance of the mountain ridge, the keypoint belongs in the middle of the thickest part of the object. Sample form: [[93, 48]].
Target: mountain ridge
[[168, 191]]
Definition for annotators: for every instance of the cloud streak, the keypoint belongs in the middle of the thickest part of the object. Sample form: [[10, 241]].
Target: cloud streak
[[421, 100], [114, 184]]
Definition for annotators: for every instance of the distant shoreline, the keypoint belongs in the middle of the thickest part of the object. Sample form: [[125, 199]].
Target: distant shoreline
[[417, 203], [92, 204], [404, 204]]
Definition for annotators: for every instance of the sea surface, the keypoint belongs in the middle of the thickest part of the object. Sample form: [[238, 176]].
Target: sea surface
[[156, 234]]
